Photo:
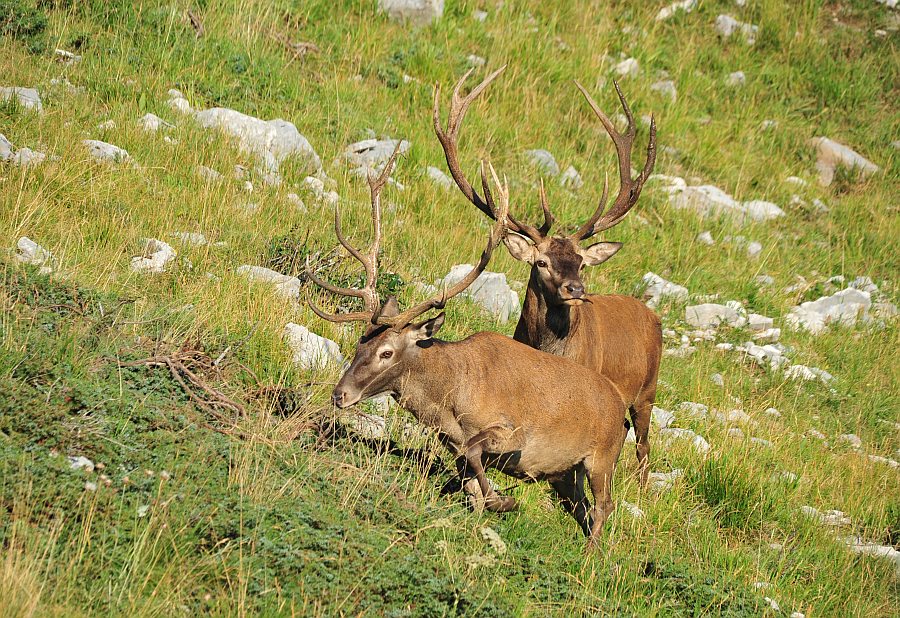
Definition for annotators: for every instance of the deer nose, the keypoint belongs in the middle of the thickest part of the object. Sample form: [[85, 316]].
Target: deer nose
[[337, 397], [575, 289]]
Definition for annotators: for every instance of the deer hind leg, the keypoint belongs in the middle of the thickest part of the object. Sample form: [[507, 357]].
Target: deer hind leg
[[641, 412], [570, 490], [600, 469]]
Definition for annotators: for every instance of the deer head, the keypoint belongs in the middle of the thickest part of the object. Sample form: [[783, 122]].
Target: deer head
[[556, 261], [392, 340]]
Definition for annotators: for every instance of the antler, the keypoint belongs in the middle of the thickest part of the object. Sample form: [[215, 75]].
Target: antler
[[629, 188], [501, 215], [369, 262], [458, 107]]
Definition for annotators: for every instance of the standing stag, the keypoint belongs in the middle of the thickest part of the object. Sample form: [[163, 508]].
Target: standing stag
[[494, 402], [616, 336]]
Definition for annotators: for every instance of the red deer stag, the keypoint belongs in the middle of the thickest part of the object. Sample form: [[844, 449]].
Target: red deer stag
[[494, 402], [616, 336]]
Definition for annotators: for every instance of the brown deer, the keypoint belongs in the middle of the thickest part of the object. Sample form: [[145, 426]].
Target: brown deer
[[493, 401], [616, 336]]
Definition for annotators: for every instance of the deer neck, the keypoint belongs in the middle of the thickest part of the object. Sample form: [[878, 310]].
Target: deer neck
[[548, 326], [429, 378]]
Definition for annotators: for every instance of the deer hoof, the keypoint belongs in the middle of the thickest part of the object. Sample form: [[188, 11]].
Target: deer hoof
[[500, 504]]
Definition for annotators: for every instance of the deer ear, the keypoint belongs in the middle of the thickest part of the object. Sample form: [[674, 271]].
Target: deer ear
[[519, 247], [428, 328], [599, 253]]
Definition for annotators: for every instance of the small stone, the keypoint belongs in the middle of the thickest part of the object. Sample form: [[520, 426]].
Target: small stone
[[844, 307], [632, 509], [711, 315], [438, 177], [772, 413], [831, 154], [717, 379], [571, 179], [627, 68], [296, 202], [165, 475], [852, 439], [670, 434], [544, 161], [765, 125], [105, 152], [796, 180], [762, 442], [107, 125], [490, 290], [81, 463], [787, 477], [152, 123], [191, 238], [685, 6], [666, 88], [758, 323], [773, 604], [475, 61], [209, 174], [884, 460], [143, 510], [29, 252], [815, 433], [372, 153], [705, 238], [67, 57], [736, 79], [311, 351], [415, 12], [155, 259], [479, 15], [368, 426], [90, 486], [828, 518], [697, 410], [754, 248], [736, 432], [657, 288], [662, 418], [26, 97], [663, 481], [727, 26], [764, 280], [802, 372]]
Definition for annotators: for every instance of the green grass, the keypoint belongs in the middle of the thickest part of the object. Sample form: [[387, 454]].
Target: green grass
[[267, 518]]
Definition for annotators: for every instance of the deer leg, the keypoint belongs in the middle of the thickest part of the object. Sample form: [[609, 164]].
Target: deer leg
[[492, 501], [570, 490], [641, 412], [600, 468], [469, 485]]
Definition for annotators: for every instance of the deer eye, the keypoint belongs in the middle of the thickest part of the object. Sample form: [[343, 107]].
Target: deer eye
[[387, 354], [541, 264]]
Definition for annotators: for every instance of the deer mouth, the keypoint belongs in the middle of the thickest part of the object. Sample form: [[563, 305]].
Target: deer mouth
[[572, 302]]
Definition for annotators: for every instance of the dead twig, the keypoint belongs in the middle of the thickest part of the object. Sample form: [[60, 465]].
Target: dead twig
[[196, 24]]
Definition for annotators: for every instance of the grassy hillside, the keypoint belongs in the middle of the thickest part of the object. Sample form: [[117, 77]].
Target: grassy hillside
[[258, 504]]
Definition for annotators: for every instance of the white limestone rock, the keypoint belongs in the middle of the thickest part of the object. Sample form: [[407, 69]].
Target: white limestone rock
[[272, 141], [727, 26], [632, 509], [670, 434], [372, 153], [712, 315], [802, 372], [544, 161], [831, 154], [844, 307], [208, 173], [851, 439], [414, 12], [685, 6], [666, 88], [710, 201], [105, 152], [706, 238], [858, 546], [571, 179], [151, 123], [827, 518], [25, 157], [191, 238], [81, 463], [311, 351], [26, 97], [285, 286], [657, 288], [438, 177], [664, 481], [155, 258], [490, 290], [29, 252], [758, 323], [662, 418], [629, 67], [736, 79], [475, 60], [370, 426], [6, 148]]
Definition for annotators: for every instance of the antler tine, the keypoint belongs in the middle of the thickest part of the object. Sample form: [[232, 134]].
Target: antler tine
[[629, 188], [458, 107], [438, 301], [549, 219], [370, 262]]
